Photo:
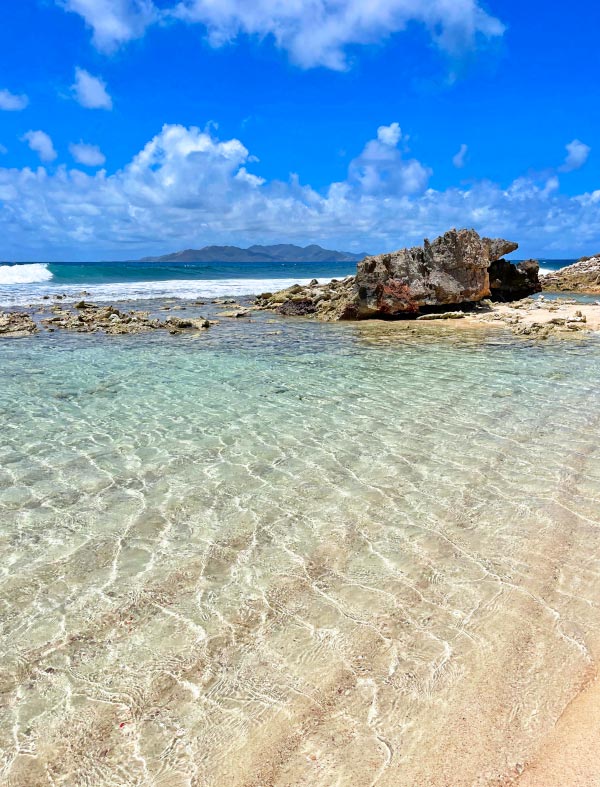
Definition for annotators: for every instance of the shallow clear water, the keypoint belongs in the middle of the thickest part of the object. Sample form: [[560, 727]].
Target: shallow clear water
[[286, 553]]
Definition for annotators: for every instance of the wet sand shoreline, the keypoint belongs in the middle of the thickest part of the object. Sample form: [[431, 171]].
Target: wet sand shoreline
[[569, 755]]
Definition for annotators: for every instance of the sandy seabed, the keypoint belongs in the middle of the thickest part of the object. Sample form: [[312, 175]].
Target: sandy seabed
[[290, 554]]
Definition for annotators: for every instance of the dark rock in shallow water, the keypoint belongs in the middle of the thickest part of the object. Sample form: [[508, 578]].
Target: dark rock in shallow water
[[510, 282], [184, 324], [297, 307]]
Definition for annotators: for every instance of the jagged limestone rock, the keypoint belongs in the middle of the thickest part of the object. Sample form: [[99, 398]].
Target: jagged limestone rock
[[451, 270]]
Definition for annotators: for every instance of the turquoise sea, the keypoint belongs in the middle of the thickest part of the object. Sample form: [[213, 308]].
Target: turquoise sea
[[286, 553], [27, 282]]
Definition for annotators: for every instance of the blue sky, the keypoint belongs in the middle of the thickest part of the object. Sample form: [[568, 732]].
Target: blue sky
[[130, 127]]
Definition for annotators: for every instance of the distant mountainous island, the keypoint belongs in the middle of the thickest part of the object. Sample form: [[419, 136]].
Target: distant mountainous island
[[281, 252]]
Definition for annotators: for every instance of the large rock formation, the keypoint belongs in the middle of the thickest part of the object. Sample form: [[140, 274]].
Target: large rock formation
[[583, 276], [453, 269]]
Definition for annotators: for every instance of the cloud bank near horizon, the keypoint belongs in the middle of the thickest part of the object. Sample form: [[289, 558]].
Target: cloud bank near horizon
[[186, 187]]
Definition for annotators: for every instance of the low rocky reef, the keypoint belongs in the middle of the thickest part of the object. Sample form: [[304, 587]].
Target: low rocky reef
[[583, 277], [16, 324], [458, 268], [87, 317], [540, 318]]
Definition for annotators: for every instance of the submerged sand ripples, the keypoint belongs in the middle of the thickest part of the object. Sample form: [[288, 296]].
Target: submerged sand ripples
[[328, 557]]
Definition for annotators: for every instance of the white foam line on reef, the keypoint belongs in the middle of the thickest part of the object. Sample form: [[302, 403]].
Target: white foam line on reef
[[175, 288]]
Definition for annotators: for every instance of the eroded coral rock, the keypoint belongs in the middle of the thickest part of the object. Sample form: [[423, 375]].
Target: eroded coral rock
[[582, 276], [90, 318], [15, 324], [453, 269]]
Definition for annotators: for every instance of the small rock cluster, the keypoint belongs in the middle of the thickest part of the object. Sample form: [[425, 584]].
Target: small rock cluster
[[328, 302], [88, 317], [16, 324], [519, 319]]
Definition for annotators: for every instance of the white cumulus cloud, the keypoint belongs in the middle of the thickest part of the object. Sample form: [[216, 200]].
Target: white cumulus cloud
[[317, 32], [313, 32], [88, 155], [11, 102], [577, 154], [390, 135], [114, 22], [42, 144], [90, 91], [187, 187], [382, 169], [459, 159]]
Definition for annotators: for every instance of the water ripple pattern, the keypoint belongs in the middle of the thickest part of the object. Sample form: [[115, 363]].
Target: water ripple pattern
[[293, 554]]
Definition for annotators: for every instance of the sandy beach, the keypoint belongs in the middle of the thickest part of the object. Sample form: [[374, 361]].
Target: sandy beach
[[569, 754]]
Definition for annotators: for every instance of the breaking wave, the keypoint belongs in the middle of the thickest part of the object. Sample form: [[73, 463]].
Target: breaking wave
[[24, 274]]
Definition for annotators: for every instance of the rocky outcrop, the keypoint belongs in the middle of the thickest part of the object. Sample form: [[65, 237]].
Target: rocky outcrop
[[511, 282], [498, 248], [16, 324], [541, 319], [335, 300], [90, 318], [454, 269], [583, 276]]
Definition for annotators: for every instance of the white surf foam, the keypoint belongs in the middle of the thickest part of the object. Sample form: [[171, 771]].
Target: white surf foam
[[24, 274], [147, 290]]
